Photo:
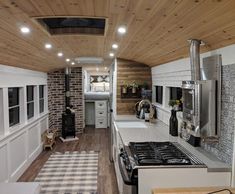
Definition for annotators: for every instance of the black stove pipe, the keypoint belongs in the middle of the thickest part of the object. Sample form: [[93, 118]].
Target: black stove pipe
[[67, 86]]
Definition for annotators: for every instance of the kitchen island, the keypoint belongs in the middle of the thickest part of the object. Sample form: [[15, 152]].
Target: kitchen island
[[214, 173]]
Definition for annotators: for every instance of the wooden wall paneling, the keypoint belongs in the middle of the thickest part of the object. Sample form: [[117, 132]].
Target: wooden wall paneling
[[127, 72]]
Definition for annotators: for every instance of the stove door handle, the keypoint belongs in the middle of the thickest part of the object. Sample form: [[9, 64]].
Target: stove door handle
[[125, 177]]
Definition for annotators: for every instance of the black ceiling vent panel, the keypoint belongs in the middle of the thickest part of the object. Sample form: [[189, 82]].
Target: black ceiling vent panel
[[73, 25]]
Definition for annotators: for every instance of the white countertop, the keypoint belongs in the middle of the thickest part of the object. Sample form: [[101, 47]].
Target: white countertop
[[126, 118], [160, 132], [20, 188]]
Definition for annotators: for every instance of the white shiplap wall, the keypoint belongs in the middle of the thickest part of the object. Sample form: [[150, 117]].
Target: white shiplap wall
[[20, 144], [173, 73]]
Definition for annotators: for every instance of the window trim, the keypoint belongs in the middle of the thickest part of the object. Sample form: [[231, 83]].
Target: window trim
[[13, 107], [30, 102], [156, 86], [170, 92], [40, 99]]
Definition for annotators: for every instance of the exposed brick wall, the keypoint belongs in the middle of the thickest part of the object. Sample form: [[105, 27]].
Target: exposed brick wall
[[76, 96], [56, 97]]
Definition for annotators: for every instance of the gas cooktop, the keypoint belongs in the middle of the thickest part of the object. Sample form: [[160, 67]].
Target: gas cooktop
[[159, 153]]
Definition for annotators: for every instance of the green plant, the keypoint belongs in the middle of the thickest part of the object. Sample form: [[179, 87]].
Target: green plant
[[172, 103], [134, 84], [125, 85]]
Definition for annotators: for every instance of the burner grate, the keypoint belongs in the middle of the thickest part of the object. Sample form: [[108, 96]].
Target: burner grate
[[158, 153]]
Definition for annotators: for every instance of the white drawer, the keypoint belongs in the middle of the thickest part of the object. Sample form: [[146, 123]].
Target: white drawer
[[101, 123], [101, 113], [100, 105]]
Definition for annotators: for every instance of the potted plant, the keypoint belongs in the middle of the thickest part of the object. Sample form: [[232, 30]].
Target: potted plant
[[134, 87], [124, 87], [174, 104]]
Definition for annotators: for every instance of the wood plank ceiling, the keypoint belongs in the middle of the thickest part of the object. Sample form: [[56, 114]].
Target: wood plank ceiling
[[157, 30]]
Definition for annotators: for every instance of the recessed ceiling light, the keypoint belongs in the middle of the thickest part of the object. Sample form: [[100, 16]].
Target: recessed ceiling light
[[60, 54], [48, 46], [114, 46], [122, 30], [111, 54], [25, 30], [67, 60], [72, 63]]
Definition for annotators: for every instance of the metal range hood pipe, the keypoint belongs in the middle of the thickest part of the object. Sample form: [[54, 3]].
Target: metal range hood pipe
[[195, 59], [67, 86]]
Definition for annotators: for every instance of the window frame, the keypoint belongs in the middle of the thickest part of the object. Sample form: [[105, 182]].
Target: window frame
[[31, 101], [170, 93], [41, 109], [159, 100], [14, 107]]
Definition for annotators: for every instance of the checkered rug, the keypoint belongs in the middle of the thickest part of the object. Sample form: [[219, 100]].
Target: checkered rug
[[69, 173]]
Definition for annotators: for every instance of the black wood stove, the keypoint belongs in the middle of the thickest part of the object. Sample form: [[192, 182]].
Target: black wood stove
[[68, 125]]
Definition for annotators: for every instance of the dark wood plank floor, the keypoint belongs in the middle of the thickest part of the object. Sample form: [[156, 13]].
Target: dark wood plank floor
[[91, 139]]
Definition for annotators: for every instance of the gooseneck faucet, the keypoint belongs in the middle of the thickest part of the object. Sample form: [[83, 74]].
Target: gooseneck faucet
[[151, 111]]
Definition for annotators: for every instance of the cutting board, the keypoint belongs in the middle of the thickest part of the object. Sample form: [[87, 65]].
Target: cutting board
[[198, 190]]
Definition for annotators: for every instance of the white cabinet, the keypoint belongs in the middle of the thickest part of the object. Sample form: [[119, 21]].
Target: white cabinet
[[101, 118], [101, 105]]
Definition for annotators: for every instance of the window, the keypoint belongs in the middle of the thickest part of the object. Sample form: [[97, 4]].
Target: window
[[73, 25], [175, 93], [30, 101], [99, 83], [159, 94], [41, 98], [14, 106]]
